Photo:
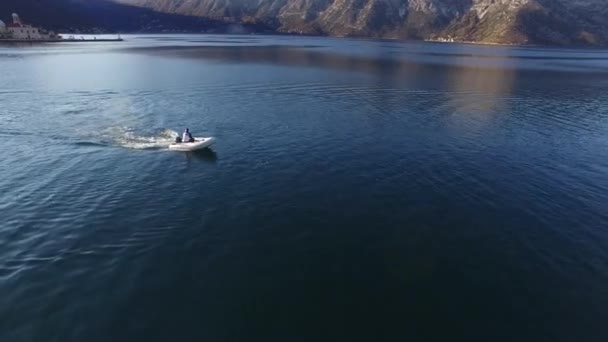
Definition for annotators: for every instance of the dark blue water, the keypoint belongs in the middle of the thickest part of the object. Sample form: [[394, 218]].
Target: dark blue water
[[358, 191]]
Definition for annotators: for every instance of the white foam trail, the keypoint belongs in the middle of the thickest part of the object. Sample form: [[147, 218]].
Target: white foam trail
[[129, 138]]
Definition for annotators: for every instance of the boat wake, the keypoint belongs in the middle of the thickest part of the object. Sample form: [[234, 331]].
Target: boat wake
[[129, 138]]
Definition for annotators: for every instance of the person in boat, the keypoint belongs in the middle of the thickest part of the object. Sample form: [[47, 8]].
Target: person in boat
[[187, 136]]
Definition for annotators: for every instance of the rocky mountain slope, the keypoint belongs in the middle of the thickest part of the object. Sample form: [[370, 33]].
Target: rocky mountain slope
[[554, 22], [561, 22], [98, 16]]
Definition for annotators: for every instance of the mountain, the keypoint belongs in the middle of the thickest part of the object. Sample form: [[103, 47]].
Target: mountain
[[109, 16], [560, 22], [552, 22]]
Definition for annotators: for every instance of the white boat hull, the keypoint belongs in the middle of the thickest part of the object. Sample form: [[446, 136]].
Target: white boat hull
[[198, 144]]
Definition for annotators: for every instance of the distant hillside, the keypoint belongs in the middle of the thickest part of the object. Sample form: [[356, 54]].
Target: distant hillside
[[561, 22], [108, 16], [555, 22]]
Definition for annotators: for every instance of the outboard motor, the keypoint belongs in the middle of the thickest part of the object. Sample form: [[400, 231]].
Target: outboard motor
[[178, 140]]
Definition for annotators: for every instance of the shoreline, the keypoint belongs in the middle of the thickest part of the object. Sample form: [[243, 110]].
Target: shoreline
[[476, 43], [34, 41]]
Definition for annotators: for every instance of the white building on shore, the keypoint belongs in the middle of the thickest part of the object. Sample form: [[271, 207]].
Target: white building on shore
[[19, 31]]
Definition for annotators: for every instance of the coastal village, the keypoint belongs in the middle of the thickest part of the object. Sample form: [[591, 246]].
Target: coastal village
[[18, 32]]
